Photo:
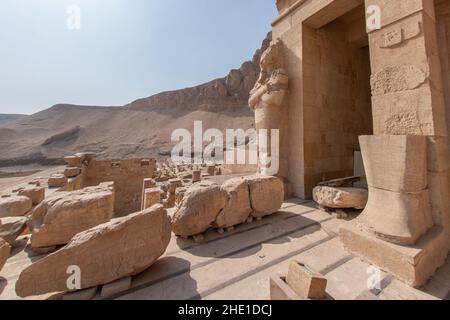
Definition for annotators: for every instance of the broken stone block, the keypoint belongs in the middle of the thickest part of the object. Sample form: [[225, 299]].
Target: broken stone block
[[118, 286], [61, 216], [211, 169], [280, 291], [237, 209], [73, 161], [174, 184], [395, 163], [152, 197], [266, 194], [149, 183], [11, 228], [340, 198], [120, 248], [37, 195], [57, 181], [196, 176], [72, 172], [199, 208], [5, 250], [306, 282], [15, 206]]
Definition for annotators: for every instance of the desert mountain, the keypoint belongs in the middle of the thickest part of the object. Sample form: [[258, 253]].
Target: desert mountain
[[5, 118], [142, 128]]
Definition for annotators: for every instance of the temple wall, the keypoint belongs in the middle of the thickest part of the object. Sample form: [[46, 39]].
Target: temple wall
[[128, 177], [443, 33]]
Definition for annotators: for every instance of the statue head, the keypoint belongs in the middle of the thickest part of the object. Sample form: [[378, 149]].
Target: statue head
[[271, 58]]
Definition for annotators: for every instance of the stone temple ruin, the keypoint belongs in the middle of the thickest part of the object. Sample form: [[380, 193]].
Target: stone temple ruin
[[363, 116]]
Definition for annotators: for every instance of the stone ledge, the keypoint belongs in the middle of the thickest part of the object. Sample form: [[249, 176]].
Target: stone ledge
[[414, 265]]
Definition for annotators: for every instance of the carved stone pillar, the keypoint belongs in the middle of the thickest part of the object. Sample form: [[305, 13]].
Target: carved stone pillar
[[405, 229]]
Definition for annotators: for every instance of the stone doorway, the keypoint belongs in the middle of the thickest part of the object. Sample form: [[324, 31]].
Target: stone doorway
[[337, 106]]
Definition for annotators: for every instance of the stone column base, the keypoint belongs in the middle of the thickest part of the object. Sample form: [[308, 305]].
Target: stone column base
[[413, 265]]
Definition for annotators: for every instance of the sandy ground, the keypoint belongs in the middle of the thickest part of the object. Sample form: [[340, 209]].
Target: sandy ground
[[11, 183]]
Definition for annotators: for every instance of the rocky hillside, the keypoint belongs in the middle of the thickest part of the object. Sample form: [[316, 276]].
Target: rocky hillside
[[5, 118], [142, 128]]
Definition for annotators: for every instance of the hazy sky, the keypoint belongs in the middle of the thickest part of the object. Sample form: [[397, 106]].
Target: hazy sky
[[125, 49]]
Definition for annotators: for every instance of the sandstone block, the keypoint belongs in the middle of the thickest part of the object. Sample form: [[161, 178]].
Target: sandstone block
[[266, 194], [306, 282], [37, 195], [398, 217], [199, 208], [73, 161], [11, 228], [341, 198], [120, 248], [395, 163], [57, 181], [72, 172], [280, 291], [5, 250], [238, 208], [56, 220], [196, 176], [152, 197], [15, 206]]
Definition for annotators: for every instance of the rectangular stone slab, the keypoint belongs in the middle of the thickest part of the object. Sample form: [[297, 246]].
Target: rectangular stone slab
[[120, 248]]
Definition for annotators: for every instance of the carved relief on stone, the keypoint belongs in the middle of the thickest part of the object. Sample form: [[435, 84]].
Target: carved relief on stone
[[399, 35], [398, 78]]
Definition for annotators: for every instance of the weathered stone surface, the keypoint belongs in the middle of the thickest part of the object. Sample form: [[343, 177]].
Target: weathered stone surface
[[306, 282], [151, 197], [5, 250], [199, 208], [15, 206], [266, 194], [56, 220], [120, 248], [341, 198], [237, 208], [57, 181], [11, 228], [37, 195], [72, 172], [73, 161]]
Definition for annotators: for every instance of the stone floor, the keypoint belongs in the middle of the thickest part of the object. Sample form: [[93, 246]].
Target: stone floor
[[237, 265]]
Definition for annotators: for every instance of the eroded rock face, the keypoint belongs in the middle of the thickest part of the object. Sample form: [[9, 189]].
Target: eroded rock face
[[56, 220], [11, 228], [57, 181], [5, 250], [237, 209], [266, 194], [120, 248], [201, 205], [341, 198], [15, 206]]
